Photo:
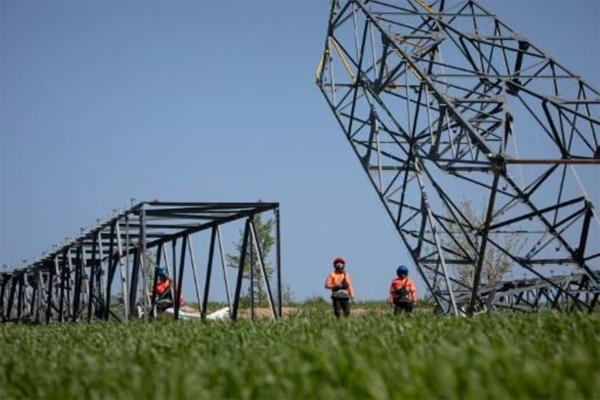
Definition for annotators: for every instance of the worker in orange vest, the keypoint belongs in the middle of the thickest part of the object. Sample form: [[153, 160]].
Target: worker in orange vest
[[340, 284], [165, 291], [403, 292]]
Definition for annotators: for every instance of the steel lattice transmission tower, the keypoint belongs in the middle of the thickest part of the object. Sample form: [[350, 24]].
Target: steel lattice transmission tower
[[443, 101]]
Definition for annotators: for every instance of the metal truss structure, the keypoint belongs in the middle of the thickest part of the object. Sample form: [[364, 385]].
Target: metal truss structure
[[445, 106], [77, 281], [530, 295]]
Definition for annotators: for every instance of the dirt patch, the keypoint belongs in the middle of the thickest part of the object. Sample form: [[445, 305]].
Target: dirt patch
[[364, 311], [289, 312], [267, 313], [295, 311]]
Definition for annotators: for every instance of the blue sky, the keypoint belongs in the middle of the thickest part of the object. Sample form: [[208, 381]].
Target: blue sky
[[205, 101]]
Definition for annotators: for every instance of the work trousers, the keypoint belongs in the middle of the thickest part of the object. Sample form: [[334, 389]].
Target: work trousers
[[162, 306], [341, 306], [403, 307]]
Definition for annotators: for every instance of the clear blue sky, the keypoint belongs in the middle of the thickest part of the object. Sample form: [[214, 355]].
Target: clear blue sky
[[101, 101]]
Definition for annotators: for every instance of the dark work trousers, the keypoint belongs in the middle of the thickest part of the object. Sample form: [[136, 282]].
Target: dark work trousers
[[341, 305], [403, 307], [163, 305], [164, 301]]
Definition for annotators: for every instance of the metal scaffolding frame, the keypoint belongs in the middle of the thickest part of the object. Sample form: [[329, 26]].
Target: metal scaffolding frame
[[563, 293], [442, 101], [76, 281]]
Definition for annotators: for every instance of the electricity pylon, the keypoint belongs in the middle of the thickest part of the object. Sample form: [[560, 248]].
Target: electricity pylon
[[443, 102]]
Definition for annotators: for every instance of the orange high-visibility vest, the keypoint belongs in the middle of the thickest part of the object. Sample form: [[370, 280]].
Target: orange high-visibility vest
[[163, 286], [336, 278], [408, 284]]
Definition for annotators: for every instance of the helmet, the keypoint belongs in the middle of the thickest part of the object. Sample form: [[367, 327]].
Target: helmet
[[161, 271], [339, 260], [402, 270]]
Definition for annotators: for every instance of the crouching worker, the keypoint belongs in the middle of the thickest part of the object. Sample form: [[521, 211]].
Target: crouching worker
[[165, 291], [403, 293], [340, 284]]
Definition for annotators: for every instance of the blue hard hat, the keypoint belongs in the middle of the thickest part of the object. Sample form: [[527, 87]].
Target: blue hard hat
[[402, 269], [161, 271]]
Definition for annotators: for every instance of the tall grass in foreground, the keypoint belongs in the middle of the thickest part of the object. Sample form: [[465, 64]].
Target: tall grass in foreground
[[501, 356]]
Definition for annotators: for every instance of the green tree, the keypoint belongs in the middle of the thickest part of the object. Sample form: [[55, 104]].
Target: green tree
[[264, 234], [495, 263]]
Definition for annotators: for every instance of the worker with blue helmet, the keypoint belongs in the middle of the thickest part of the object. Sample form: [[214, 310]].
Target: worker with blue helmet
[[403, 292], [402, 270]]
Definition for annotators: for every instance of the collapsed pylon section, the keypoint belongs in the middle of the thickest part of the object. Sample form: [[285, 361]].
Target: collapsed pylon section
[[108, 272]]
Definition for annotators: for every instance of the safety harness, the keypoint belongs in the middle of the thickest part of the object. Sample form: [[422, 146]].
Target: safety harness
[[401, 294]]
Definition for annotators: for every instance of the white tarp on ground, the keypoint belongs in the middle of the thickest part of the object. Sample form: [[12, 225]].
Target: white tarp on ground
[[222, 313]]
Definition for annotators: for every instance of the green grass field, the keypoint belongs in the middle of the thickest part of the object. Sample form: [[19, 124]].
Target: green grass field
[[421, 356]]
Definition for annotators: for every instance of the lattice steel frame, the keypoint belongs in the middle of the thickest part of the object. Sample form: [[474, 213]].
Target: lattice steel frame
[[531, 295], [74, 282], [435, 100]]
